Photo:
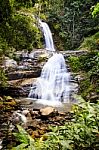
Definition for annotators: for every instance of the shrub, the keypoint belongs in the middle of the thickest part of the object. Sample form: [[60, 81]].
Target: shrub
[[22, 33], [88, 65], [91, 43], [75, 64], [79, 133]]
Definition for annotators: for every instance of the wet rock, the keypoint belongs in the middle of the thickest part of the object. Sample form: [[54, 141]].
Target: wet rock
[[74, 53], [34, 124], [34, 112], [47, 111], [18, 117], [9, 63], [19, 88], [16, 120], [37, 53], [24, 74], [94, 98], [18, 54], [14, 91], [25, 112], [79, 78]]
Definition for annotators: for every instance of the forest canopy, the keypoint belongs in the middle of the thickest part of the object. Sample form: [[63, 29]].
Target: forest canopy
[[72, 19]]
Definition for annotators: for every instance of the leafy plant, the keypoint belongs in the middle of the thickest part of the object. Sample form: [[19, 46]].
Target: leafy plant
[[80, 133], [73, 21], [88, 66], [95, 11], [27, 143], [75, 64], [91, 43]]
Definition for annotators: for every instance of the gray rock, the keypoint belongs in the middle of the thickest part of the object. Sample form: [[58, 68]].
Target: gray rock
[[9, 63]]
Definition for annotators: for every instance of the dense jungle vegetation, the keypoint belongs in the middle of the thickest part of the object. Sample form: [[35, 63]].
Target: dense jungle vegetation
[[75, 26], [72, 19]]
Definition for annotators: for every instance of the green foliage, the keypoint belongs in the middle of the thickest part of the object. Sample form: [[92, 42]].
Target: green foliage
[[91, 43], [88, 66], [3, 46], [23, 34], [95, 11], [79, 133], [87, 63], [90, 61], [85, 87], [75, 64], [3, 78], [18, 28], [25, 139], [18, 4], [74, 22], [5, 10]]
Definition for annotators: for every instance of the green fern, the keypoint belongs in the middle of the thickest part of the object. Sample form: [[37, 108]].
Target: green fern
[[25, 139]]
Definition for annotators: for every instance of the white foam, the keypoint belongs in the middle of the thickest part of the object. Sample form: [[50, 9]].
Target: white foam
[[53, 84], [49, 103]]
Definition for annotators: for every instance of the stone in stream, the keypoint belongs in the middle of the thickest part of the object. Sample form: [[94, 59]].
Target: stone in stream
[[18, 117], [47, 111], [25, 112]]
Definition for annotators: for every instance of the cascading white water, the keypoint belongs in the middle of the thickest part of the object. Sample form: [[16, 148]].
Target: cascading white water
[[53, 84], [49, 45]]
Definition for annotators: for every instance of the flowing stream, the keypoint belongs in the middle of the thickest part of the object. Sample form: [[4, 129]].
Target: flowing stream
[[54, 83]]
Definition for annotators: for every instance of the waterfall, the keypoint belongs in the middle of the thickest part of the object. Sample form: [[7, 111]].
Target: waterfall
[[49, 45], [53, 84]]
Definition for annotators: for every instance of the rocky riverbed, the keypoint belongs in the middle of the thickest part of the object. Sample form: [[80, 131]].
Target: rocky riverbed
[[33, 117]]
